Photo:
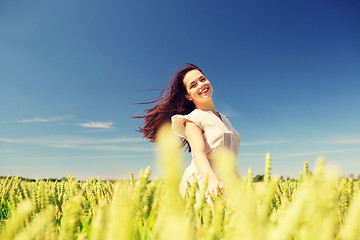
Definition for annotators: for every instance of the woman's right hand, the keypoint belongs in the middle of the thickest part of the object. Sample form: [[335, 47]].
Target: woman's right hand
[[213, 186]]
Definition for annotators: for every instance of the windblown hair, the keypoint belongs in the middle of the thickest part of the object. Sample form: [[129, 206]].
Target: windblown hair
[[172, 101]]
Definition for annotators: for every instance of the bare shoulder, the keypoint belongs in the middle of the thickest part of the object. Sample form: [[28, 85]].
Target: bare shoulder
[[194, 136], [191, 126], [192, 131]]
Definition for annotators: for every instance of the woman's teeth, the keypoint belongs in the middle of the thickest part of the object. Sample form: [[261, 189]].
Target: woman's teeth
[[204, 91]]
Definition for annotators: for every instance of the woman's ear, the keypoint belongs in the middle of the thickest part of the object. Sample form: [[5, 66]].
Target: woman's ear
[[188, 97]]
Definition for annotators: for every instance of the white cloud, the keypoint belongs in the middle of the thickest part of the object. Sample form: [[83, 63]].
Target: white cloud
[[34, 119], [275, 155], [109, 148], [6, 150], [104, 125], [264, 142], [252, 154], [7, 140], [76, 157], [82, 143], [52, 119], [341, 141], [318, 153], [71, 140]]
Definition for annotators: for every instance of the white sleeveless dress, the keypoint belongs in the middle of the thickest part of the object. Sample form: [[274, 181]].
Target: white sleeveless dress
[[216, 132]]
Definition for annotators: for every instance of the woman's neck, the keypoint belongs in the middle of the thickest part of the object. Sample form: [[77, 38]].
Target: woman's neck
[[208, 106]]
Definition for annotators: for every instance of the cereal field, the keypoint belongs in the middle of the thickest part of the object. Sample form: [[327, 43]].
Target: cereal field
[[320, 205]]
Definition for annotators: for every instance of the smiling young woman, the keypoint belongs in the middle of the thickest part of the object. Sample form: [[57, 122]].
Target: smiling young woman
[[188, 104]]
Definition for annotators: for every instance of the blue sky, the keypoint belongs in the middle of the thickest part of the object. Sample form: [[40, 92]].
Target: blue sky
[[286, 74]]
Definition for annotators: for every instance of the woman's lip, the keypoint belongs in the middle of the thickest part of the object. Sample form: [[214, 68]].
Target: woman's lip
[[204, 91]]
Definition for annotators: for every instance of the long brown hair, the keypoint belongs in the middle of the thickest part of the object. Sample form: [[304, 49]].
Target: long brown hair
[[172, 101]]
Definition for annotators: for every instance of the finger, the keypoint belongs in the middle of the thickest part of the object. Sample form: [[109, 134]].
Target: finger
[[221, 185], [215, 192]]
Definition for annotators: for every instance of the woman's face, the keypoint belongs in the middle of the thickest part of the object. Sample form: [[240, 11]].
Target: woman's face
[[198, 87]]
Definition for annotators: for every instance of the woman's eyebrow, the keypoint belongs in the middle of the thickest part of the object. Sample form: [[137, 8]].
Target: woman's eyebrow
[[191, 82], [201, 77]]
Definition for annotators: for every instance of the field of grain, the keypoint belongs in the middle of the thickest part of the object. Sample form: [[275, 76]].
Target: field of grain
[[320, 205]]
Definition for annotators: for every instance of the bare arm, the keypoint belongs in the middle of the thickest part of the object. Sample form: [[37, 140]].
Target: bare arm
[[195, 138]]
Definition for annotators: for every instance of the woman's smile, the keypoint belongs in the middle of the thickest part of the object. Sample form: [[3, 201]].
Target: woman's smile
[[205, 90]]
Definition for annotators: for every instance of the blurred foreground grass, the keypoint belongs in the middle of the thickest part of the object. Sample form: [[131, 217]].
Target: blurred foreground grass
[[321, 205]]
